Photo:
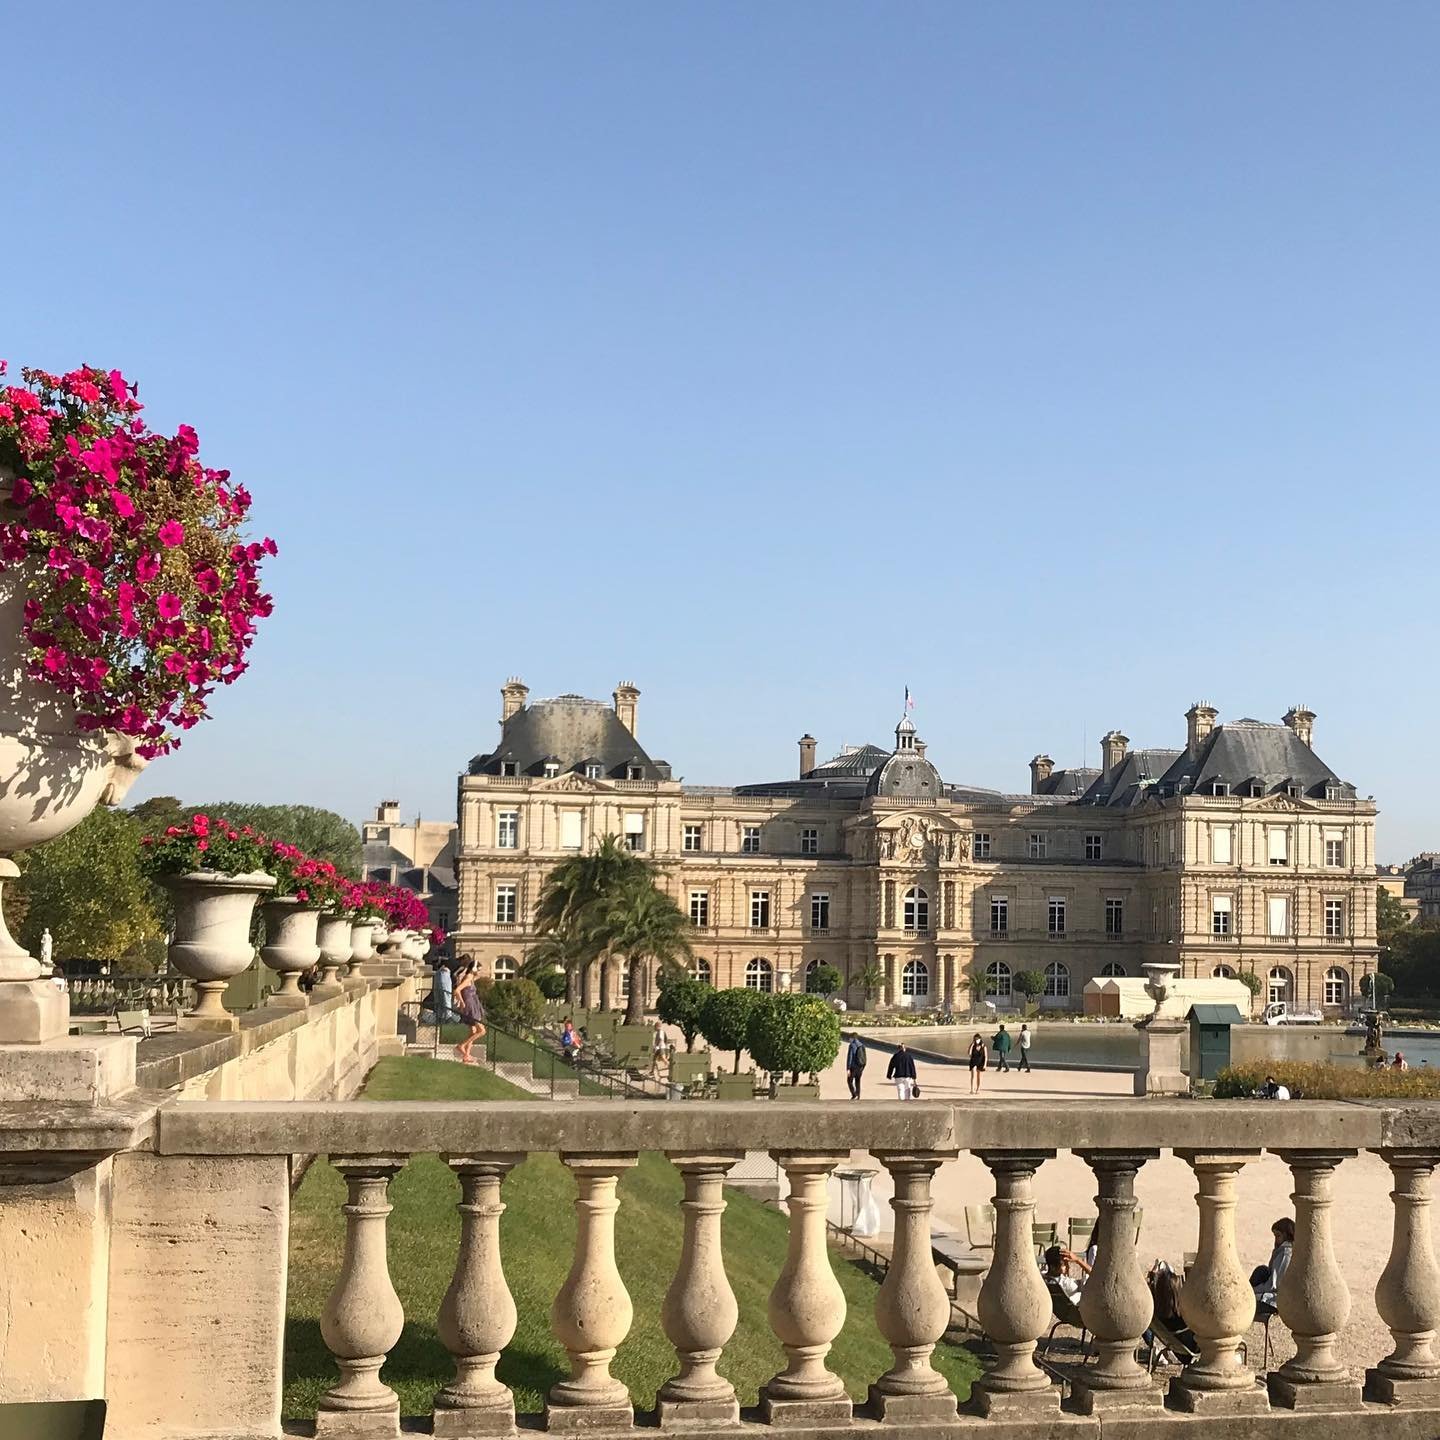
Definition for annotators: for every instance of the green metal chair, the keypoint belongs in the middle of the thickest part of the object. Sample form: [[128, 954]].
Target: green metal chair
[[1080, 1232]]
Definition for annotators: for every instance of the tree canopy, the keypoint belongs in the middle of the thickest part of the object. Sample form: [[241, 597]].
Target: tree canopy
[[725, 1019], [794, 1033], [681, 1001], [321, 834], [824, 980]]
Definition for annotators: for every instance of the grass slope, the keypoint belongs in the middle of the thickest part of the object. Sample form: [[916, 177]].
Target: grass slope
[[538, 1236]]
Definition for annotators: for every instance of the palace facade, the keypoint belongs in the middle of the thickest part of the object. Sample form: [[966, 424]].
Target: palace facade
[[1238, 851]]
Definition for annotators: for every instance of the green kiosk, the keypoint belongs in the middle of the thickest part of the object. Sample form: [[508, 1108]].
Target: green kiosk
[[1210, 1039]]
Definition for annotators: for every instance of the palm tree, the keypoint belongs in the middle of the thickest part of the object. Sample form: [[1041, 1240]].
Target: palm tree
[[643, 923], [870, 978]]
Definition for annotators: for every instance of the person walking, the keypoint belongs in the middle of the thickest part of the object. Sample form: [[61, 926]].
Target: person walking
[[467, 999], [1025, 1039], [902, 1071], [1001, 1045], [855, 1065], [977, 1063]]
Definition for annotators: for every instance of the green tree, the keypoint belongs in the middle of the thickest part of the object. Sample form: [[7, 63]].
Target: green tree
[[322, 834], [681, 1001], [824, 980], [794, 1033], [979, 984], [552, 985], [515, 1004], [157, 813], [1251, 981], [1390, 916], [1030, 983], [87, 889], [871, 979], [725, 1019], [1376, 988], [641, 922]]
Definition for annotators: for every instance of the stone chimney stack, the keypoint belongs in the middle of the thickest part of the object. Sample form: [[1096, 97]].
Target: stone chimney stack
[[387, 812], [1113, 749], [807, 754], [512, 697], [1199, 721], [1302, 721], [1040, 768], [627, 701], [919, 747]]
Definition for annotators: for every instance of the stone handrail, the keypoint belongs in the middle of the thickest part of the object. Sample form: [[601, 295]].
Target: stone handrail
[[370, 1142]]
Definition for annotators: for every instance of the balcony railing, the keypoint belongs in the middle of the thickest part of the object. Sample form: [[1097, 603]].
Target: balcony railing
[[371, 1143]]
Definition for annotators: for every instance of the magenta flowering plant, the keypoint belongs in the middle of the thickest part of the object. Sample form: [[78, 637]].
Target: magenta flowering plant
[[206, 843], [142, 589]]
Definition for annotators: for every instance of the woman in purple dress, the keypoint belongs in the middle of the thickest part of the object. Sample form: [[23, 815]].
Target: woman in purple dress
[[467, 1001]]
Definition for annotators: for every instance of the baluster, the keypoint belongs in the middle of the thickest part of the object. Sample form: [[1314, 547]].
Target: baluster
[[1408, 1293], [1216, 1299], [807, 1305], [1116, 1303], [363, 1317], [477, 1316], [912, 1309], [1014, 1305], [592, 1313], [1313, 1298], [700, 1313]]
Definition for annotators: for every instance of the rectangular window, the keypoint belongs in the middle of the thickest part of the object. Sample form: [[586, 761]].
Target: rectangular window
[[1277, 841], [982, 845], [759, 909], [1057, 915], [505, 904], [691, 837], [569, 829], [750, 840], [1334, 919], [509, 769], [1173, 837], [1114, 917], [999, 915], [1094, 847], [820, 910], [809, 842], [593, 770], [1277, 913], [1220, 851], [700, 908], [507, 829], [1219, 914], [634, 831], [1335, 851], [1037, 845]]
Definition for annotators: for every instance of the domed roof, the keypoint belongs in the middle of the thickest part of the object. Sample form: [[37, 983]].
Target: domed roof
[[907, 775]]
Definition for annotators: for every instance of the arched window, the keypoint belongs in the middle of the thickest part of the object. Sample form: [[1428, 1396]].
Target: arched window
[[700, 970], [1337, 987], [1110, 970], [506, 968], [1222, 972], [759, 975], [1280, 984], [1057, 981], [998, 980], [917, 909], [915, 978]]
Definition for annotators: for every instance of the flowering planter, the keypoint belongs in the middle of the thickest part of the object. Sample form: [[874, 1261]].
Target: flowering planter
[[333, 933], [290, 948], [211, 944], [389, 944], [362, 947]]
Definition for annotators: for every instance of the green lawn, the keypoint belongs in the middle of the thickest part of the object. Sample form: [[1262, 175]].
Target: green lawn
[[538, 1233]]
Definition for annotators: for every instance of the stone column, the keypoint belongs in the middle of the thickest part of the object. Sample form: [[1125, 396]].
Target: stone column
[[1313, 1299], [362, 1318], [700, 1312], [1408, 1293], [1014, 1305], [807, 1305], [592, 1313], [888, 998], [1216, 1299], [912, 1309], [477, 1316], [1116, 1303]]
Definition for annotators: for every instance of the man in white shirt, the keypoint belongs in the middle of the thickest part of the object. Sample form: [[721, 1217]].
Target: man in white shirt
[[1025, 1038], [1060, 1268]]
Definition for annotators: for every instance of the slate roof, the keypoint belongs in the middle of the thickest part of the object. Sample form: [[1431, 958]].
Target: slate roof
[[844, 775], [906, 775], [570, 730], [1128, 782], [1245, 751], [1071, 783]]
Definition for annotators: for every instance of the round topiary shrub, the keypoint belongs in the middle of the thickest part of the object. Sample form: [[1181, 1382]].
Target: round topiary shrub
[[515, 1005], [725, 1019], [794, 1033]]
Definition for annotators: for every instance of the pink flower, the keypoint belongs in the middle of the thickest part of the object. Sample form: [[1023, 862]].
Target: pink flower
[[124, 505], [168, 605], [207, 581], [171, 534], [147, 567]]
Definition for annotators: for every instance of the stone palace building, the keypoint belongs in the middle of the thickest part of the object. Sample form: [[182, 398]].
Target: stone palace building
[[1240, 850]]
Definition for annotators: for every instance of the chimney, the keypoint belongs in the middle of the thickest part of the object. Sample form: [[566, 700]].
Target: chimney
[[627, 699], [1040, 768], [1199, 722], [1113, 748], [807, 754], [387, 812], [512, 697], [919, 747], [1302, 721]]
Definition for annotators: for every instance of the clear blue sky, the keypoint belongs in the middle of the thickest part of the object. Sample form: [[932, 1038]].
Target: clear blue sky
[[1065, 362]]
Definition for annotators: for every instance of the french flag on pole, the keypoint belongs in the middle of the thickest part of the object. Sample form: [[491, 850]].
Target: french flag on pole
[[909, 699]]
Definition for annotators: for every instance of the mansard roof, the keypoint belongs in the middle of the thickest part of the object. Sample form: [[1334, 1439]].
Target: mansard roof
[[1254, 751], [571, 730], [1130, 781]]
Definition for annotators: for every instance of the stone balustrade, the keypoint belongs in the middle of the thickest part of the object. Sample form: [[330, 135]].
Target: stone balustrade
[[213, 1179]]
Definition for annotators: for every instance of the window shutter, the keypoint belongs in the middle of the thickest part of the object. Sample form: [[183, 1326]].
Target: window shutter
[[634, 824], [1279, 908], [1279, 844], [569, 829], [1220, 845]]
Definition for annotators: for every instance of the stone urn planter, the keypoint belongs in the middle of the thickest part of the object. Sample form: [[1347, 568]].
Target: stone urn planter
[[211, 944], [389, 944], [362, 945], [333, 934], [290, 948]]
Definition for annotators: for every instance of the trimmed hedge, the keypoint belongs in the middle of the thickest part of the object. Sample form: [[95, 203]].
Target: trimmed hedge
[[1311, 1081]]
